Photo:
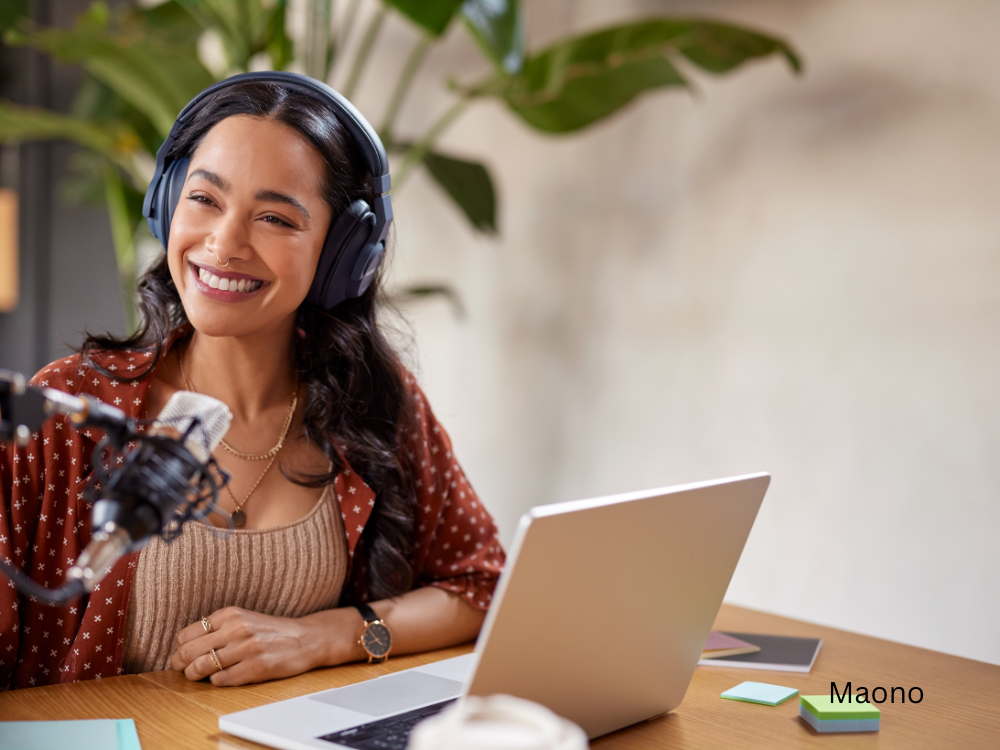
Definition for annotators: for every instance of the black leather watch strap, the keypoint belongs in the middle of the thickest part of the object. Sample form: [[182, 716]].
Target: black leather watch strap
[[367, 612]]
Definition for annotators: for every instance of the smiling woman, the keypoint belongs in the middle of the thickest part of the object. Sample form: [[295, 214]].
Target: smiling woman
[[352, 515]]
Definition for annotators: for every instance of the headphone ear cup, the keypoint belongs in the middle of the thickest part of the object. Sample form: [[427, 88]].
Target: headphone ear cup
[[346, 243], [168, 194]]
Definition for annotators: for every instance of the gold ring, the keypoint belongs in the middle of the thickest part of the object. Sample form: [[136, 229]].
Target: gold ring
[[220, 265], [215, 658], [207, 625]]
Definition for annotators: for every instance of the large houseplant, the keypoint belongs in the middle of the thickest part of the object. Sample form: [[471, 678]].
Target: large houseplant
[[142, 66]]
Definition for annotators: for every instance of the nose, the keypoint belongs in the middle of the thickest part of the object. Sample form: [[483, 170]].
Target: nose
[[229, 240]]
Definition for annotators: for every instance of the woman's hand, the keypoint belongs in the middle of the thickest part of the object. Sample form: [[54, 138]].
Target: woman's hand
[[252, 647]]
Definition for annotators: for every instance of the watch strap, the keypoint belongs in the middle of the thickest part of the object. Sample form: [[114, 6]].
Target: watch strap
[[367, 612]]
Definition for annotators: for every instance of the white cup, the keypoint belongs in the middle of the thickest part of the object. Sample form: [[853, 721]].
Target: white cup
[[500, 722]]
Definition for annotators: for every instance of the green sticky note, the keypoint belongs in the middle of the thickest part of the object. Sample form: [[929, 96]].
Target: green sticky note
[[760, 692], [824, 709]]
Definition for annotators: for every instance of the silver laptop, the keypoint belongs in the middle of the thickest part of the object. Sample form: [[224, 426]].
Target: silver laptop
[[601, 615]]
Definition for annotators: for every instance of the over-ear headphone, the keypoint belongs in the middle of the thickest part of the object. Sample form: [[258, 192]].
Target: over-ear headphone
[[355, 243]]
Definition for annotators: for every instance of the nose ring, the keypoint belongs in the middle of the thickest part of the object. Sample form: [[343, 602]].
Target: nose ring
[[220, 265]]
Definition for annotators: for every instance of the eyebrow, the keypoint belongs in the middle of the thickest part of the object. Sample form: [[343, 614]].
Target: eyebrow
[[275, 197], [211, 177]]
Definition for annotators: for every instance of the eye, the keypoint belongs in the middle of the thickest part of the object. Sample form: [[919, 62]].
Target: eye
[[200, 199], [272, 219]]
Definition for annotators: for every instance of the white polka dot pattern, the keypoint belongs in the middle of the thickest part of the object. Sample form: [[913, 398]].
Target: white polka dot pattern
[[45, 522]]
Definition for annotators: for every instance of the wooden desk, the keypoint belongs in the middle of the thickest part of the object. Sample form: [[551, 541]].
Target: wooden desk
[[960, 706]]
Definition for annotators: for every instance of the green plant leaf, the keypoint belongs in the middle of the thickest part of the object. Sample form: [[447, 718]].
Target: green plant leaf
[[20, 123], [469, 185], [499, 28], [277, 43], [422, 291], [432, 15], [579, 81], [246, 28], [12, 11], [156, 79], [169, 22]]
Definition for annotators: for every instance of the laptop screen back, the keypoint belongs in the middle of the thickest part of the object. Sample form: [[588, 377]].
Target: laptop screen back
[[605, 604]]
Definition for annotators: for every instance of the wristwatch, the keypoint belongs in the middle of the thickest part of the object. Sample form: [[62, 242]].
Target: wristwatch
[[375, 639]]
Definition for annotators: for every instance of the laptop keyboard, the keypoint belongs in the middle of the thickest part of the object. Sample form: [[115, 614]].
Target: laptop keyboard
[[390, 733]]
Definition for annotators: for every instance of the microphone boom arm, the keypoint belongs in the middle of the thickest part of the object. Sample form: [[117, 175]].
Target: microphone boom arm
[[159, 486]]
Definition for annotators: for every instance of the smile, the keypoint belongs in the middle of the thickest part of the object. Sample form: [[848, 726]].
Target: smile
[[226, 286]]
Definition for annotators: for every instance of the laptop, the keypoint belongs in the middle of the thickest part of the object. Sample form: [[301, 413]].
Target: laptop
[[600, 614]]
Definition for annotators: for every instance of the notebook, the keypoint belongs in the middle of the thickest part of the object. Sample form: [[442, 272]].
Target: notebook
[[778, 653], [720, 644]]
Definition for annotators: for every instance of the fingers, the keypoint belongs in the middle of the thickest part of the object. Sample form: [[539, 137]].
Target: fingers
[[241, 673], [217, 619], [205, 666], [192, 650]]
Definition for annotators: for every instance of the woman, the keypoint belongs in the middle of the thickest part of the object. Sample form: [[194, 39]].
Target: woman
[[344, 488]]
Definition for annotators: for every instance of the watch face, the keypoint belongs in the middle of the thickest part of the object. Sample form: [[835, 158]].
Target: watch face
[[376, 640]]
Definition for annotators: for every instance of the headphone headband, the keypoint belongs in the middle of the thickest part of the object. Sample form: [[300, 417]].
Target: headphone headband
[[355, 243]]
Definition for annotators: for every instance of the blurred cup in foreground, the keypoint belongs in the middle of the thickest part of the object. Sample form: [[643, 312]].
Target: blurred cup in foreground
[[500, 722]]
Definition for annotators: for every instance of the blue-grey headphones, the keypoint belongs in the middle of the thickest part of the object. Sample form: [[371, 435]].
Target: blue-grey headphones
[[355, 243]]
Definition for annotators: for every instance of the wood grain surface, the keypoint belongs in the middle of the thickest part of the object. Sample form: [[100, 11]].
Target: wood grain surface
[[960, 709]]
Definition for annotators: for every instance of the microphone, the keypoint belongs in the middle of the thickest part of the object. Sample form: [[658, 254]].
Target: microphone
[[167, 479], [142, 498]]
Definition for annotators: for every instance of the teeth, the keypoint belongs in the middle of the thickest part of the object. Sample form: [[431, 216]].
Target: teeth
[[227, 285]]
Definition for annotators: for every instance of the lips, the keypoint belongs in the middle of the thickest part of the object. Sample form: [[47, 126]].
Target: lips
[[228, 286]]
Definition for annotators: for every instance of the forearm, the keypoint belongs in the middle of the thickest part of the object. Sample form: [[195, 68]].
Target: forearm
[[420, 620]]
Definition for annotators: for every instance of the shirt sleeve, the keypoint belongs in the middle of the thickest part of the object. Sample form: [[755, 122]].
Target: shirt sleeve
[[458, 547], [8, 594]]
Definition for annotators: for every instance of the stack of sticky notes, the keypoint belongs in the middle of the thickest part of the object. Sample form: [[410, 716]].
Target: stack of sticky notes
[[89, 734], [825, 715], [759, 692]]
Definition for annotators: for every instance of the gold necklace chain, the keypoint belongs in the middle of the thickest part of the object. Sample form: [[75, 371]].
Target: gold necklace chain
[[284, 430], [239, 516]]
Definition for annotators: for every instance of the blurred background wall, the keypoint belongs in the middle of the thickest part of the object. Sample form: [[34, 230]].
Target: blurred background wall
[[793, 275]]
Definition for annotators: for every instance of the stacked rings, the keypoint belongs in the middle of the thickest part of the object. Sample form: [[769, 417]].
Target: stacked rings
[[215, 658], [207, 625]]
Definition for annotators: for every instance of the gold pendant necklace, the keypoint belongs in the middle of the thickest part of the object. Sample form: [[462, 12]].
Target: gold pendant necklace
[[238, 516]]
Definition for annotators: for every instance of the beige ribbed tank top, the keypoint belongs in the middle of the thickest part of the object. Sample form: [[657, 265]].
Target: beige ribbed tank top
[[288, 571]]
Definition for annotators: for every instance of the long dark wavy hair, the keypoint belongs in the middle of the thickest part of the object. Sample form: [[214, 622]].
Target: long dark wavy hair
[[355, 398]]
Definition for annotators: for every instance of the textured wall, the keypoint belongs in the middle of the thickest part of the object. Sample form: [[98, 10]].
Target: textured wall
[[801, 276], [794, 275]]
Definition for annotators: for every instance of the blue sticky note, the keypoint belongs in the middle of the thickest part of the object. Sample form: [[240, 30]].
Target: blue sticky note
[[760, 692], [128, 738], [90, 734]]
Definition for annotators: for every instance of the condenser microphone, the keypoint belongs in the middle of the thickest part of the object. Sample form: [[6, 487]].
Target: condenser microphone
[[161, 476], [166, 479]]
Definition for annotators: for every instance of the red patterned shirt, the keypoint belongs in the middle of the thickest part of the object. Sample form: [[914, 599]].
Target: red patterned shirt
[[45, 523]]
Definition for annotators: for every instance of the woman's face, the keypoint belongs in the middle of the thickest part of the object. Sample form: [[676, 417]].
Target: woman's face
[[252, 203]]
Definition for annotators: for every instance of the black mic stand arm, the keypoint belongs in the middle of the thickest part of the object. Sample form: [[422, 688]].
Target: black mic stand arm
[[158, 486]]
